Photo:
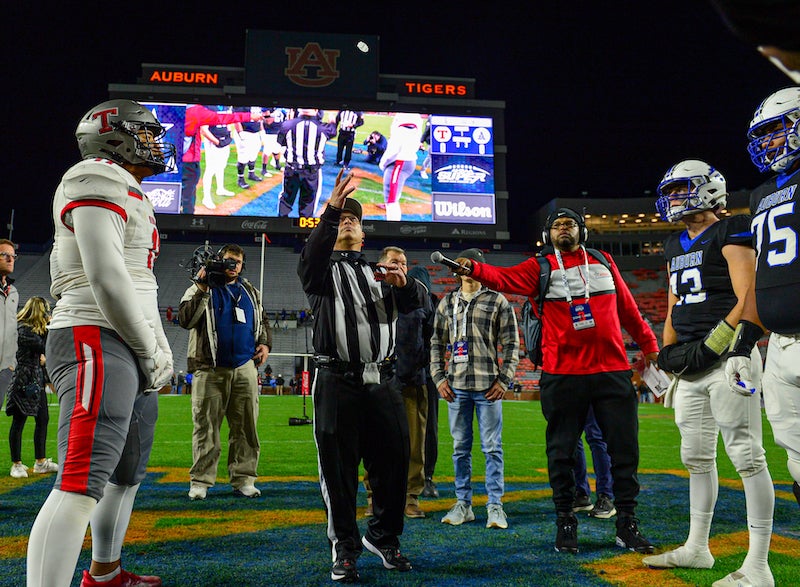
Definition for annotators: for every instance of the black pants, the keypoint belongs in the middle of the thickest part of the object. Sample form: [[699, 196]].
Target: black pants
[[565, 403], [354, 421], [303, 181], [344, 147], [42, 418], [189, 181], [432, 429]]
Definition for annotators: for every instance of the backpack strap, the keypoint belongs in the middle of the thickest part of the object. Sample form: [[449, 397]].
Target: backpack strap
[[544, 274]]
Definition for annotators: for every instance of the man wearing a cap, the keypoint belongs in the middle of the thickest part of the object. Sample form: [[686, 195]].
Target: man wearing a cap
[[358, 408], [472, 322], [584, 364]]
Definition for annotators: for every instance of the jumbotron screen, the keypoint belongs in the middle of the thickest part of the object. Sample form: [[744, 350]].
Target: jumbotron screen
[[449, 189]]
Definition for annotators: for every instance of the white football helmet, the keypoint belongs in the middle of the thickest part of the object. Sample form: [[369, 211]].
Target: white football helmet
[[777, 117], [124, 131], [689, 187]]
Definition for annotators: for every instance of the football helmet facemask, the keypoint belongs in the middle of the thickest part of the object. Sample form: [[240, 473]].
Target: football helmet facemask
[[777, 117], [124, 131], [689, 187]]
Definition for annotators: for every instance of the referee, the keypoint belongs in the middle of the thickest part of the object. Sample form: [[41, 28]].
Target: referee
[[358, 408], [304, 137]]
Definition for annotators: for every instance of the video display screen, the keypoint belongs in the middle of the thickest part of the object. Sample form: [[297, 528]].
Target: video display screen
[[282, 162]]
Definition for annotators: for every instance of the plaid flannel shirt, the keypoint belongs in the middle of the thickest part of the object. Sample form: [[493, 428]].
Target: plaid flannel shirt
[[490, 323]]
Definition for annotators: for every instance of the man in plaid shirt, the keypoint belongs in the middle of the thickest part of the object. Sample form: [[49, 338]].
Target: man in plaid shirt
[[471, 322]]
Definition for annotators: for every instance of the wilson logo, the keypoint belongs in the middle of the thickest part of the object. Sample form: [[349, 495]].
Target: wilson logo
[[312, 66]]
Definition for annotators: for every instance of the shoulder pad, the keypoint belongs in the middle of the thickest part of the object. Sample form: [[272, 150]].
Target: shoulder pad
[[98, 179]]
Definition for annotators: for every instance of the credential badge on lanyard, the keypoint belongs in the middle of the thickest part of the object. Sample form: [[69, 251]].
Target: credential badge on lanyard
[[460, 344], [581, 313]]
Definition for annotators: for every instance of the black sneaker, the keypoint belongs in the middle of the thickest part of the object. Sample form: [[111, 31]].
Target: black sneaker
[[345, 570], [603, 507], [390, 555], [628, 536], [253, 177], [242, 183], [582, 503], [567, 533], [796, 491], [430, 489]]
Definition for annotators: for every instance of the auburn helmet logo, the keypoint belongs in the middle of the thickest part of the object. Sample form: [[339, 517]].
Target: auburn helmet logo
[[312, 66]]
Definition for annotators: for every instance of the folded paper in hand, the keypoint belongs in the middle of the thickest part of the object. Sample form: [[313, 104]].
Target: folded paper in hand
[[656, 379]]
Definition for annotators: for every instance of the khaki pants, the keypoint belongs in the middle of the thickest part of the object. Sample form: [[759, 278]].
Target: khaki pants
[[232, 394]]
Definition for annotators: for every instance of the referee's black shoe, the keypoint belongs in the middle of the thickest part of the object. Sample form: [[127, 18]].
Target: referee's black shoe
[[628, 535], [796, 491], [344, 570], [390, 556]]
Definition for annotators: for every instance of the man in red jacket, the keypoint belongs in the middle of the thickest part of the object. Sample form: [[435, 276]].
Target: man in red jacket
[[584, 364]]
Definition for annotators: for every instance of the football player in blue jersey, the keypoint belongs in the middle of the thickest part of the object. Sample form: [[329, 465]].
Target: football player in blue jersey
[[711, 268], [775, 147]]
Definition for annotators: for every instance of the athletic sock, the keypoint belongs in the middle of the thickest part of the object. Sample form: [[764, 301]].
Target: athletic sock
[[703, 490], [110, 521], [760, 499]]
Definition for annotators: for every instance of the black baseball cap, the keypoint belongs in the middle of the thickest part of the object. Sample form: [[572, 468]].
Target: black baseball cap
[[563, 213], [353, 206], [474, 254]]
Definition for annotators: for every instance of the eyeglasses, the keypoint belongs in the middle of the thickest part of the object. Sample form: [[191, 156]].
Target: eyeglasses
[[8, 256], [559, 225]]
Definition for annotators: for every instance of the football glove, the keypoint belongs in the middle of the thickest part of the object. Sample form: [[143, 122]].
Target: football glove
[[157, 370], [737, 373]]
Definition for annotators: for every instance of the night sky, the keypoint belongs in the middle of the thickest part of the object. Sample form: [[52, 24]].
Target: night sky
[[597, 101]]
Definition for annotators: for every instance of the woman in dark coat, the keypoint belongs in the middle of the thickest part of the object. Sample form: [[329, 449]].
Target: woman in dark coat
[[26, 393]]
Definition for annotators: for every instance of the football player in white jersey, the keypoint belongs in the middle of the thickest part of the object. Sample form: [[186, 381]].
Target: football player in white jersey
[[106, 349], [710, 268], [775, 147]]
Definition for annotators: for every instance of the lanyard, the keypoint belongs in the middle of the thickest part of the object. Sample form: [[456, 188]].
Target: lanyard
[[464, 319], [233, 297], [564, 274]]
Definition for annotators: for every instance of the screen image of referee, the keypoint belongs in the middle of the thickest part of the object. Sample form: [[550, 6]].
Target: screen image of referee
[[358, 407], [304, 138]]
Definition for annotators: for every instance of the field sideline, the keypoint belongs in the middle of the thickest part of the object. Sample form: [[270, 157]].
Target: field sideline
[[279, 539]]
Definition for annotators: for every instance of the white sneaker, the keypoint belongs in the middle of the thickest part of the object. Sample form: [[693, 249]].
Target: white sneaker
[[46, 466], [497, 517], [247, 491], [197, 491], [458, 514], [226, 193], [682, 558], [19, 471], [739, 579], [209, 203]]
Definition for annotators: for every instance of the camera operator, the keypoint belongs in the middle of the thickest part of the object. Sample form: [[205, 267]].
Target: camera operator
[[229, 338]]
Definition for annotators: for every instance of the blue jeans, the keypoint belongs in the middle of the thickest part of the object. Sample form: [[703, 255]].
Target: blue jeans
[[490, 427], [600, 459]]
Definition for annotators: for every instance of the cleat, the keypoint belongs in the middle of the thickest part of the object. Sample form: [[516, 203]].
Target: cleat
[[603, 508], [567, 533], [680, 558], [226, 193], [253, 177], [458, 514], [413, 511], [390, 555], [197, 491], [242, 183], [497, 517], [739, 579], [628, 536], [248, 490], [124, 579], [345, 570], [582, 503]]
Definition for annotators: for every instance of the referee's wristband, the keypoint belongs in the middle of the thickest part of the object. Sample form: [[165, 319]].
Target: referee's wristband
[[745, 337]]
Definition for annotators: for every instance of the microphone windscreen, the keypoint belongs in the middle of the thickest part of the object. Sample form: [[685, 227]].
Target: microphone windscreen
[[436, 257]]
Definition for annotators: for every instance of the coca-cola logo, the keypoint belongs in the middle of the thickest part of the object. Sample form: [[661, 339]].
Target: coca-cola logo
[[254, 224]]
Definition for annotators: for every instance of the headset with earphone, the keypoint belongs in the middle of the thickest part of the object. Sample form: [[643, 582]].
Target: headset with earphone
[[583, 233], [222, 250]]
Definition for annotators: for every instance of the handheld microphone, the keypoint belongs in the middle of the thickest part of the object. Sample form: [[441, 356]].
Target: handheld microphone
[[437, 257]]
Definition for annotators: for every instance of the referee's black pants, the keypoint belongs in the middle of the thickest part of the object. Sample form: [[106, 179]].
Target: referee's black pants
[[565, 402], [353, 421]]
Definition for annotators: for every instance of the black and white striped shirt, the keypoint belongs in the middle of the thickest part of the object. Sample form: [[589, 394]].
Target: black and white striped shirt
[[304, 138], [355, 315], [349, 120]]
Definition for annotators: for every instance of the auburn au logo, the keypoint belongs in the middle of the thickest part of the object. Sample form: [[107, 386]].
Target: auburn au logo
[[312, 66]]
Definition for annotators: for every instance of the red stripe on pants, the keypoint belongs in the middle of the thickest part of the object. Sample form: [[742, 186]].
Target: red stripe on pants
[[88, 392]]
